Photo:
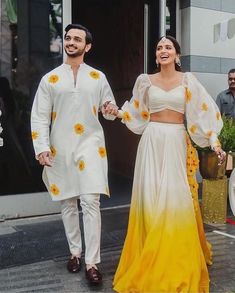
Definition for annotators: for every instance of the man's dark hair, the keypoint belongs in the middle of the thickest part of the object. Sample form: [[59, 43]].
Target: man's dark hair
[[231, 71], [80, 27]]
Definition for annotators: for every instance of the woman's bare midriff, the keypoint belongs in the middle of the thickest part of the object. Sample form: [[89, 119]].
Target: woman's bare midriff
[[167, 116]]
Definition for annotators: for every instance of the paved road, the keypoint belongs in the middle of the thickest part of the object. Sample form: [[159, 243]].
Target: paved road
[[33, 254]]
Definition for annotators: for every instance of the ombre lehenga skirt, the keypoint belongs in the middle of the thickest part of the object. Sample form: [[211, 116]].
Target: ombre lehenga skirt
[[165, 242]]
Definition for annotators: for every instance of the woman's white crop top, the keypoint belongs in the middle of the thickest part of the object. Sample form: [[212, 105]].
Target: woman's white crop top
[[160, 100]]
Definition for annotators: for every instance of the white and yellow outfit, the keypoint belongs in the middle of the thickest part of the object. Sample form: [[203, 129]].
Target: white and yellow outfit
[[165, 248], [64, 120]]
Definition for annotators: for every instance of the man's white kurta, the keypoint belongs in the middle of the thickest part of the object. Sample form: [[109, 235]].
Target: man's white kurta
[[64, 120]]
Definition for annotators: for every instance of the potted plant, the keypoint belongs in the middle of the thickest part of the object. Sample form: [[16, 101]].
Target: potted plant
[[208, 164]]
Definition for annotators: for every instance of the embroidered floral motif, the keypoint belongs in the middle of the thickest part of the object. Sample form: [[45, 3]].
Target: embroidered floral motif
[[192, 166], [217, 143], [126, 117], [53, 78], [35, 135], [81, 165], [204, 107], [218, 115], [136, 103], [145, 115], [79, 128], [188, 95], [53, 151], [54, 190], [209, 133], [94, 110], [193, 129], [94, 74], [102, 152], [53, 116]]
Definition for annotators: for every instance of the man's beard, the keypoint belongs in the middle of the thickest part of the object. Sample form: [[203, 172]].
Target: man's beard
[[80, 52]]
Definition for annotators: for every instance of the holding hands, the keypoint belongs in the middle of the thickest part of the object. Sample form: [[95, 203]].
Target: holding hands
[[110, 109]]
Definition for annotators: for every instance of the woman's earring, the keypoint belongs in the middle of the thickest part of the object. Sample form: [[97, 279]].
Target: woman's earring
[[157, 62], [177, 61]]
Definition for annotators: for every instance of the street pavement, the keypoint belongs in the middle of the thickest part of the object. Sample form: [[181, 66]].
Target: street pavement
[[34, 253]]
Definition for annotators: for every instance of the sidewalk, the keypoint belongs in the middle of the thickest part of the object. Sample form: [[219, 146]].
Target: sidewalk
[[34, 253]]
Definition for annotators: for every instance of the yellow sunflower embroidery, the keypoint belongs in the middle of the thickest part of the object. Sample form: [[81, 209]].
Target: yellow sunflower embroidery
[[204, 107], [53, 116], [94, 74], [79, 128], [53, 151], [94, 110], [145, 115], [188, 95], [53, 78], [126, 116], [217, 143], [81, 165], [193, 128], [136, 104], [218, 115], [54, 189], [35, 135], [102, 152], [209, 133]]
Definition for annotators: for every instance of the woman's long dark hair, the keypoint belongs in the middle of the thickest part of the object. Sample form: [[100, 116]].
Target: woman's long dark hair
[[177, 49]]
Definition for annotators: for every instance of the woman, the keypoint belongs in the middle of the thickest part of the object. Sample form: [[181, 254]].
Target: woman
[[165, 248]]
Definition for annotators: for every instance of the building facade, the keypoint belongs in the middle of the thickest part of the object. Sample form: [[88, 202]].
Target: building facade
[[125, 34]]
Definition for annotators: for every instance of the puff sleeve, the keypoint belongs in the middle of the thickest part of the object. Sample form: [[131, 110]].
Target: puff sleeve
[[135, 113], [203, 117]]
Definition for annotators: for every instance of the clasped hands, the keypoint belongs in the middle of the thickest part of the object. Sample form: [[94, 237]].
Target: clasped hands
[[109, 108]]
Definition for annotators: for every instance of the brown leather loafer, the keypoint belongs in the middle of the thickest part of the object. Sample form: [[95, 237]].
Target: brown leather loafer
[[74, 264], [93, 276]]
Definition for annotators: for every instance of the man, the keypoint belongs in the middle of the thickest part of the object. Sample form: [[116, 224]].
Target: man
[[69, 141], [226, 99]]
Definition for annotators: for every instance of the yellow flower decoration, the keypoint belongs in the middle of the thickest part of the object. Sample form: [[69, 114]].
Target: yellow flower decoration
[[191, 168], [53, 116], [79, 128], [126, 116], [209, 133], [188, 95], [204, 107], [102, 152], [136, 104], [35, 135], [94, 110], [217, 143], [54, 189], [53, 78], [193, 129], [94, 74], [218, 115], [145, 115], [53, 151], [81, 165]]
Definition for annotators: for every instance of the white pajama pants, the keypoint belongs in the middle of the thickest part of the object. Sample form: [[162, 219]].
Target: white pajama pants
[[90, 204]]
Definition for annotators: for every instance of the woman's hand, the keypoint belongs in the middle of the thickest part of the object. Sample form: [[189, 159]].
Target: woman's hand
[[109, 108], [221, 155]]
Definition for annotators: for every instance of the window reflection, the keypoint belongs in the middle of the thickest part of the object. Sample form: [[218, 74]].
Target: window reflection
[[30, 46]]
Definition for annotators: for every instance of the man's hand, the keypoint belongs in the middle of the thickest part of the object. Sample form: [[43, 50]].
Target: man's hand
[[109, 108], [45, 159]]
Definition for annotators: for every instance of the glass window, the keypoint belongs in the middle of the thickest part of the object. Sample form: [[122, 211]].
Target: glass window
[[30, 46]]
